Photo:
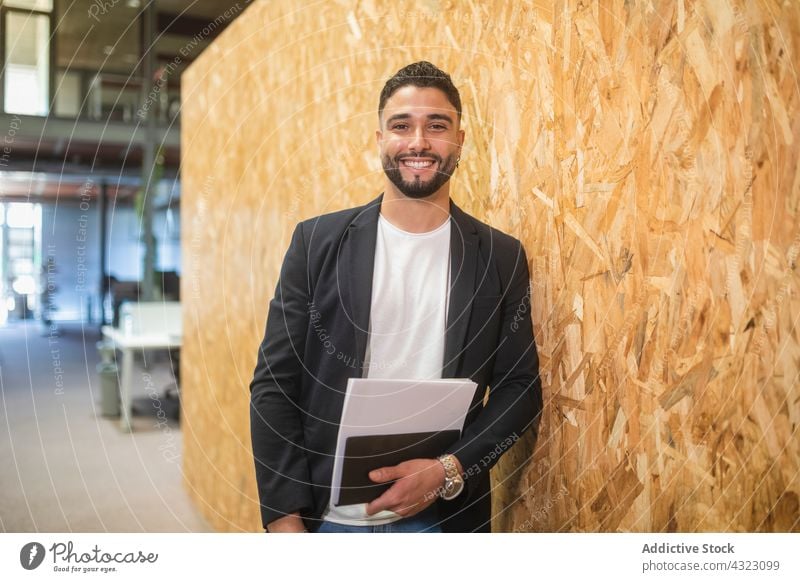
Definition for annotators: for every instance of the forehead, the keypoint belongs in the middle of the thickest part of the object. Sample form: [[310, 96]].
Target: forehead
[[418, 100]]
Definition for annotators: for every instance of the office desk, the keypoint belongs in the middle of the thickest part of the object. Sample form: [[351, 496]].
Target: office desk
[[128, 343]]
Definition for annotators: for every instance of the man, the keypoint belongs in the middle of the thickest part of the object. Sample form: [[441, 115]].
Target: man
[[408, 287]]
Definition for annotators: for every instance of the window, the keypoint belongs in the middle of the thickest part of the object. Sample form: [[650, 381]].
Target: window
[[20, 215], [19, 261], [27, 70], [68, 94], [43, 5]]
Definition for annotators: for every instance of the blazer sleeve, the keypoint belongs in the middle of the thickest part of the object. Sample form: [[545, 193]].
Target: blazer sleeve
[[282, 473], [515, 391]]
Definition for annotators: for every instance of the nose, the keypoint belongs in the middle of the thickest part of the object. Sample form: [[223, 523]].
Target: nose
[[419, 142]]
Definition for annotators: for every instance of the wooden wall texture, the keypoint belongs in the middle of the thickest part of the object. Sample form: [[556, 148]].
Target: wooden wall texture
[[645, 151]]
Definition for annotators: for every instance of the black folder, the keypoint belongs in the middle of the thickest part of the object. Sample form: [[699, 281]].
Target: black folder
[[362, 454]]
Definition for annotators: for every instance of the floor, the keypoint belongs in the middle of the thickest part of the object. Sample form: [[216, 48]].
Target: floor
[[67, 468]]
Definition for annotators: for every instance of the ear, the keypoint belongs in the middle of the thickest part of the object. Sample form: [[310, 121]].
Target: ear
[[460, 140], [378, 137]]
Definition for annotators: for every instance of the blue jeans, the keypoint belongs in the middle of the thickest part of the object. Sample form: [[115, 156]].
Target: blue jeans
[[426, 521]]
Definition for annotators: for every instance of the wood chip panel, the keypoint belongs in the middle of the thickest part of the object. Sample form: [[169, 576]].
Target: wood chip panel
[[646, 153]]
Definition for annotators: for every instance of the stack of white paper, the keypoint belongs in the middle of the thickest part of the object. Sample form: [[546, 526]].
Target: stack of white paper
[[384, 407]]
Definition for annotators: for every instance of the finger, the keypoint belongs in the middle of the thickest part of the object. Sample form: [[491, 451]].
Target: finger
[[385, 501], [384, 474], [407, 509], [401, 509]]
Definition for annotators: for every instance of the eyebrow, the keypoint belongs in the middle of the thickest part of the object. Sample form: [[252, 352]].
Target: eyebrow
[[430, 117]]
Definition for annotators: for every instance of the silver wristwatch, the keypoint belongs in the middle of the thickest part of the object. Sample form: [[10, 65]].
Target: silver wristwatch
[[453, 481]]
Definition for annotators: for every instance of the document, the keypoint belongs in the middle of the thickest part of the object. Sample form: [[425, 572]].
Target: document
[[386, 422]]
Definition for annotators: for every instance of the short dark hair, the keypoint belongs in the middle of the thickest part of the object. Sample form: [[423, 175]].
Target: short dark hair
[[421, 74]]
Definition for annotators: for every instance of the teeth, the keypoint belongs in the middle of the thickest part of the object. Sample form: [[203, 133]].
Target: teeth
[[418, 165]]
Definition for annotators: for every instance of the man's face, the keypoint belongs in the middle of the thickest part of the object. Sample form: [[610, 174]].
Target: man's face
[[419, 140]]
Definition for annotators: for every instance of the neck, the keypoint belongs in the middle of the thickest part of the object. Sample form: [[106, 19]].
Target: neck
[[416, 215]]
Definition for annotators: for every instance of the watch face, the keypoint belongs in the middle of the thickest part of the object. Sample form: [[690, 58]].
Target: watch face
[[452, 488]]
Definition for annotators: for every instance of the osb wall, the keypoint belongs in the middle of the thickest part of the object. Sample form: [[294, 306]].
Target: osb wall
[[645, 151]]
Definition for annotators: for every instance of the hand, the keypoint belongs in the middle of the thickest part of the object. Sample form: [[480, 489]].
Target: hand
[[418, 484], [291, 523]]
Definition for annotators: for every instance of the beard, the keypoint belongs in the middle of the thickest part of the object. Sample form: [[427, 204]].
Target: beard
[[418, 188]]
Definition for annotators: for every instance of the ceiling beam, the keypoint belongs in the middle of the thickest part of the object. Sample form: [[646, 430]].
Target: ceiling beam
[[184, 25]]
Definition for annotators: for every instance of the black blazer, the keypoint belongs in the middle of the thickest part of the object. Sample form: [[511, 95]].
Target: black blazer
[[316, 339]]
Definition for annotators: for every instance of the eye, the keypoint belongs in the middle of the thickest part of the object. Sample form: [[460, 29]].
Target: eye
[[399, 127], [438, 127]]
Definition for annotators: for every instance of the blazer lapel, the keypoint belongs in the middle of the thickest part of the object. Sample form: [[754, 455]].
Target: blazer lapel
[[463, 265], [358, 259]]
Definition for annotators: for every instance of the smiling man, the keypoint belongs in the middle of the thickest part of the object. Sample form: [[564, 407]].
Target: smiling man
[[406, 287]]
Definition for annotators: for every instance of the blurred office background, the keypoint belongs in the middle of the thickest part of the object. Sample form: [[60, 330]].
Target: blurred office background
[[90, 219]]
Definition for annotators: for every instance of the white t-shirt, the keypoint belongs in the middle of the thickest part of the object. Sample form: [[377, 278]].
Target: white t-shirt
[[408, 317]]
